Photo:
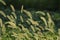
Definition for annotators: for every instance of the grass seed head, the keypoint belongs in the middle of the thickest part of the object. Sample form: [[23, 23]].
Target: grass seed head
[[12, 7], [2, 13]]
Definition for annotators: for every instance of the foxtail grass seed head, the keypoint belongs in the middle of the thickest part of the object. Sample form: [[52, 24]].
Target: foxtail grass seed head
[[28, 13], [21, 18], [33, 22], [41, 27], [3, 2], [37, 29], [21, 26], [28, 22], [2, 26], [2, 13], [12, 7], [22, 9], [14, 15], [33, 29], [40, 12], [48, 15], [44, 20], [13, 25], [3, 29], [11, 18]]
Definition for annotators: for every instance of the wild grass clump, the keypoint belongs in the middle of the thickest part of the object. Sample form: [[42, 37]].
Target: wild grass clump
[[27, 25]]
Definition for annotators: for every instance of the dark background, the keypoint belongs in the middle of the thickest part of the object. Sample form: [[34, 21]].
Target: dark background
[[51, 5]]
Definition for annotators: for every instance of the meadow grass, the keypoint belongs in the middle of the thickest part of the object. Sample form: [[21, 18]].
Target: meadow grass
[[27, 25]]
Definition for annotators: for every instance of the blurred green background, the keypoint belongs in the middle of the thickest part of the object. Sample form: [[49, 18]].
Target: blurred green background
[[35, 4]]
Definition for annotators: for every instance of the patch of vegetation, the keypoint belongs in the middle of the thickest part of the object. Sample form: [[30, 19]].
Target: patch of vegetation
[[27, 25]]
